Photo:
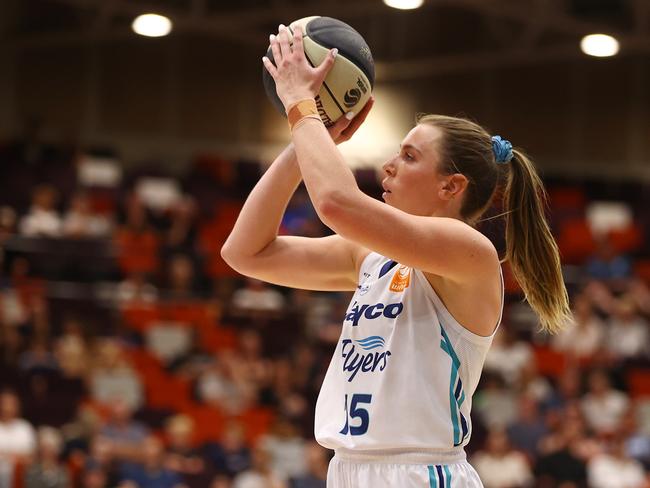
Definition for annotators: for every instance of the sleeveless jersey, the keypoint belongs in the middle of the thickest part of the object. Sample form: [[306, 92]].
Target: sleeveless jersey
[[404, 370]]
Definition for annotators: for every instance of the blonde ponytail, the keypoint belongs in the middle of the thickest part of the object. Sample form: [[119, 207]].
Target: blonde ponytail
[[530, 247]]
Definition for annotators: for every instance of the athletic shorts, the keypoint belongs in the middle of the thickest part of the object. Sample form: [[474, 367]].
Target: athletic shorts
[[390, 469]]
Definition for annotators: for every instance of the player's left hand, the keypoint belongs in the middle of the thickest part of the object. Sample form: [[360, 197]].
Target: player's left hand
[[295, 79], [344, 128]]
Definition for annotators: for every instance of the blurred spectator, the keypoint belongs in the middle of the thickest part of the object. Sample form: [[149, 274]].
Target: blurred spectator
[[101, 465], [10, 346], [78, 433], [637, 442], [7, 223], [235, 379], [194, 362], [585, 336], [216, 386], [258, 298], [17, 437], [495, 404], [615, 469], [13, 311], [230, 456], [603, 406], [181, 236], [38, 323], [168, 341], [135, 287], [508, 356], [136, 241], [181, 278], [606, 265], [126, 436], [287, 450], [47, 472], [261, 474], [330, 331], [300, 218], [529, 428], [532, 384], [181, 455], [305, 366], [601, 297], [221, 481], [563, 454], [639, 291], [566, 391], [282, 392], [71, 350], [42, 220], [499, 466], [317, 464], [627, 336], [151, 472], [112, 378], [38, 357], [81, 222], [45, 400], [250, 367], [288, 396], [95, 478]]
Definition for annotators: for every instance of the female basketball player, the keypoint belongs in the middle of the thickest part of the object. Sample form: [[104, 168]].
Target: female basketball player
[[395, 403]]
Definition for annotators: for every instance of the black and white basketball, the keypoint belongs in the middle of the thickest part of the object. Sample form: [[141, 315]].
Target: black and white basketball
[[349, 84]]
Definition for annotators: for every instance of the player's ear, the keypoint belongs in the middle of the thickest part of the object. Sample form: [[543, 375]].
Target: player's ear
[[453, 186]]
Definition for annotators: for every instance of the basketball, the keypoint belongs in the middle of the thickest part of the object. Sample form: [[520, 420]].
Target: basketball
[[349, 84]]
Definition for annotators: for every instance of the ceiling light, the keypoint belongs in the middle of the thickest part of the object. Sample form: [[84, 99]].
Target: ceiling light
[[600, 45], [404, 4], [152, 25]]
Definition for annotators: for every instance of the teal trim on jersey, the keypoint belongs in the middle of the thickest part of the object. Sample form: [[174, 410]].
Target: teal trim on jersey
[[433, 477], [436, 478], [454, 403], [445, 343], [447, 474]]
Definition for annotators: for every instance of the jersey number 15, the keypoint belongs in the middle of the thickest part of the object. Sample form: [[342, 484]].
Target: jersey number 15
[[356, 412]]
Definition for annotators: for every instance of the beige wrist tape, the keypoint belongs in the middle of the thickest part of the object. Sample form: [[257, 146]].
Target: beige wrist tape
[[299, 111]]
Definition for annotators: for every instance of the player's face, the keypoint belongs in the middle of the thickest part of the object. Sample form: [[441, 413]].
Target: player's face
[[411, 178]]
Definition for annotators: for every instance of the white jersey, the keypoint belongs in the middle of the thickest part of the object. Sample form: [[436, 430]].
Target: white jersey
[[404, 371]]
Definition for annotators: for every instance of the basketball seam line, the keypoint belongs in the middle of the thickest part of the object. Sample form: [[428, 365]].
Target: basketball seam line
[[327, 88]]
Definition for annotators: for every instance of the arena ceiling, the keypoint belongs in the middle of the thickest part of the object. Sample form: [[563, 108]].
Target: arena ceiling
[[442, 36]]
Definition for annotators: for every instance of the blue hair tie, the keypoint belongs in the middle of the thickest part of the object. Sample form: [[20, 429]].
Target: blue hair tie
[[502, 150]]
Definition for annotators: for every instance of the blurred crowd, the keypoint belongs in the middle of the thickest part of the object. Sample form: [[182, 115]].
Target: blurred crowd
[[132, 356]]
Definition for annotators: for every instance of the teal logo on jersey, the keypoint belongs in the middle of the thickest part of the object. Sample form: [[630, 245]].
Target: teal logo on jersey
[[371, 342], [355, 361]]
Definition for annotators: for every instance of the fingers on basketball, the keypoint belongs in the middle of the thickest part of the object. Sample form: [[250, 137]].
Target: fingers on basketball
[[297, 40], [283, 37], [275, 48]]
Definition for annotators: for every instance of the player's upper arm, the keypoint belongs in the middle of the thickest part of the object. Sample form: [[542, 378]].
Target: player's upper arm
[[445, 247], [323, 263]]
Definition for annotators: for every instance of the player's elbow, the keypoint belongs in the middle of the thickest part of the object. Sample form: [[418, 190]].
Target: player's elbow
[[332, 208], [230, 255]]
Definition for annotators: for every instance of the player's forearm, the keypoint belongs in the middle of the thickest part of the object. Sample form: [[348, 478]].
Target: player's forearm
[[260, 218], [328, 179]]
